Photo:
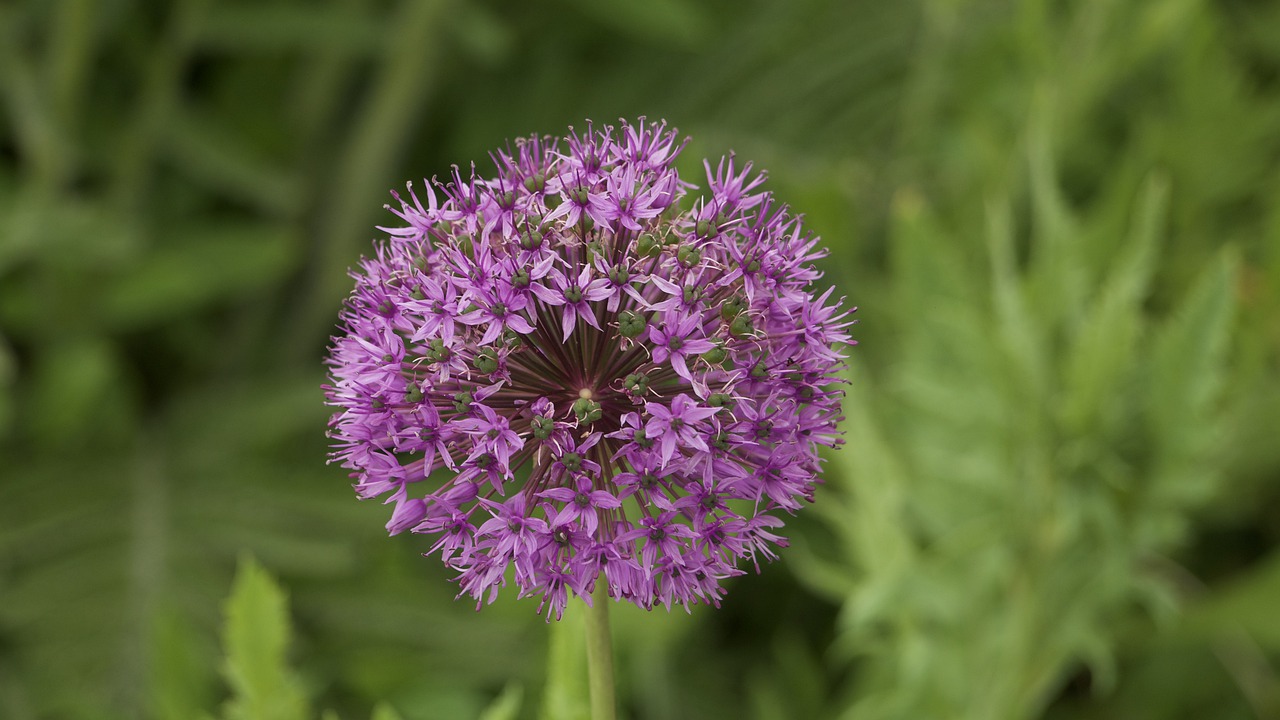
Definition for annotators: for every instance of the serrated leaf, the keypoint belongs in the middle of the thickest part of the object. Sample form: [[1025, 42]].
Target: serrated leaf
[[1104, 349], [256, 640], [566, 696], [506, 706], [1187, 367]]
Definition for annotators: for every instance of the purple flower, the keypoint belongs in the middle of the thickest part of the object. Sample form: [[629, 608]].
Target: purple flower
[[617, 385]]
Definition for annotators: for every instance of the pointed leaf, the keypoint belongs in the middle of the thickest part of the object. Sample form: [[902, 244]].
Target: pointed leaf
[[256, 640]]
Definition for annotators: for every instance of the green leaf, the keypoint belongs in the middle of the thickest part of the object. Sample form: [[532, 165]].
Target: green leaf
[[1247, 604], [506, 706], [1185, 375], [256, 640], [181, 678], [200, 267], [384, 711], [567, 695], [1103, 352]]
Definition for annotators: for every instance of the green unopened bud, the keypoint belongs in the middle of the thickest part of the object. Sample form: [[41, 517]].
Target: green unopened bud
[[631, 324], [688, 256], [462, 401], [486, 361]]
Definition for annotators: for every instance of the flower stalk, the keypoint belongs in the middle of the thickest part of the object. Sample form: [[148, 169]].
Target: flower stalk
[[600, 655]]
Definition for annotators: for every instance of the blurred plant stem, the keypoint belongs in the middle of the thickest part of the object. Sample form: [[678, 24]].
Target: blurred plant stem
[[600, 654]]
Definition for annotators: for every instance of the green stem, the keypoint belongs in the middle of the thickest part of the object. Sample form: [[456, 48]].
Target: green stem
[[600, 654]]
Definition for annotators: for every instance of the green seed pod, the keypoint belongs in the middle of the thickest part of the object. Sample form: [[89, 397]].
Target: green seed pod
[[542, 427], [535, 183], [741, 326], [573, 293], [760, 371], [731, 307], [413, 394], [631, 324], [715, 355], [462, 401], [619, 275], [692, 294], [647, 246], [636, 383], [688, 256], [572, 462], [642, 439], [521, 278], [531, 239], [486, 362], [705, 229], [723, 400], [587, 410], [437, 351]]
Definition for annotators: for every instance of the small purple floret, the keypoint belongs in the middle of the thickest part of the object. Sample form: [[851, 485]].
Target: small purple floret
[[566, 375]]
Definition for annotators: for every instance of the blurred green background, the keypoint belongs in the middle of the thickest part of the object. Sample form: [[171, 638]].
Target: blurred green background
[[1059, 496]]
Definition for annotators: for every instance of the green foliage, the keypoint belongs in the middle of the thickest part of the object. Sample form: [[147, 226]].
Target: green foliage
[[256, 639]]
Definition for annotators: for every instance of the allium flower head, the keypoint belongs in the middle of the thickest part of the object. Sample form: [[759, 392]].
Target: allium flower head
[[568, 374]]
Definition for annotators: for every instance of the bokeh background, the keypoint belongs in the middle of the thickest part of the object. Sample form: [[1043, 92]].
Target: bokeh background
[[1061, 220]]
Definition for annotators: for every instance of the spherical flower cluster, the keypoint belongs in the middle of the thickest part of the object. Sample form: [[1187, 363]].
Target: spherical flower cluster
[[618, 389]]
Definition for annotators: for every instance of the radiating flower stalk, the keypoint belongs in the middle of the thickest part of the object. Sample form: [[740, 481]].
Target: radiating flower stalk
[[626, 389]]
